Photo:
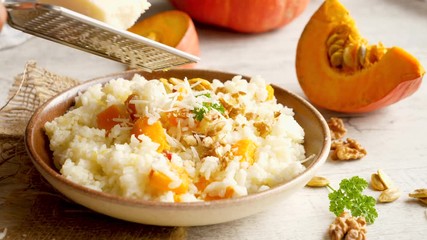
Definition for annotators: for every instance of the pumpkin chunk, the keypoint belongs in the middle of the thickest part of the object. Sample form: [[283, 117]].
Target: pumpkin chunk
[[228, 194], [155, 132], [160, 182], [246, 149], [107, 119], [270, 91]]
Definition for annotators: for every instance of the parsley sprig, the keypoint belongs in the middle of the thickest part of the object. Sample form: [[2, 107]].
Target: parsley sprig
[[199, 113], [349, 196]]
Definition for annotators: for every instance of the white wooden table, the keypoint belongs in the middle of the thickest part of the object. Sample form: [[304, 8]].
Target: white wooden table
[[395, 137]]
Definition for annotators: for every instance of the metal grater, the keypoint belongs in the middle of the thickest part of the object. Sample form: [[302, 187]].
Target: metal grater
[[75, 30]]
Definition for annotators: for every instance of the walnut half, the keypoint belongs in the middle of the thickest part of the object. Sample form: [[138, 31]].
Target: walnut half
[[336, 126], [348, 228], [347, 150]]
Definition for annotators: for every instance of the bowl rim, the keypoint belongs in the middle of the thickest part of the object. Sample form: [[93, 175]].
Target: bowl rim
[[71, 92]]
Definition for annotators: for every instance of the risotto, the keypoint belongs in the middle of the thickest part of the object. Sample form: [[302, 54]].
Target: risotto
[[178, 140]]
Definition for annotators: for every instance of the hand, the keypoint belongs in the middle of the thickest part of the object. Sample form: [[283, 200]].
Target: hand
[[3, 15]]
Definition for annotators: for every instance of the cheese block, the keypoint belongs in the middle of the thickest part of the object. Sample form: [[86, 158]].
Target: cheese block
[[119, 14]]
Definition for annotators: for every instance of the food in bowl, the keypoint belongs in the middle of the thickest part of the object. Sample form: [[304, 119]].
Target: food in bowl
[[178, 140]]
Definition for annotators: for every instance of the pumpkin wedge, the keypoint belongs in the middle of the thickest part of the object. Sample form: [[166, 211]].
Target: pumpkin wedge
[[338, 70], [173, 28], [246, 16]]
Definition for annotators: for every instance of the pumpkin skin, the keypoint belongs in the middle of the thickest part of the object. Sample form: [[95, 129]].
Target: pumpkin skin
[[247, 16], [389, 74], [173, 28], [3, 15]]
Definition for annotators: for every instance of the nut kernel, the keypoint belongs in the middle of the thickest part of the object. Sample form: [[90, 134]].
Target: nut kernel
[[385, 179], [318, 181], [419, 193], [376, 183], [389, 195]]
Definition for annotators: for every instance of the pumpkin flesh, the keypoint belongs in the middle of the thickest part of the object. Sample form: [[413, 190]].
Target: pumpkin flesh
[[346, 74], [173, 28]]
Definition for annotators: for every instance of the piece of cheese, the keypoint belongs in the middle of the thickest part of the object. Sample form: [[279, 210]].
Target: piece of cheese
[[120, 14]]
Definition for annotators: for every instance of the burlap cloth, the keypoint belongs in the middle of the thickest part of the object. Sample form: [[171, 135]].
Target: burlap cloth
[[29, 207]]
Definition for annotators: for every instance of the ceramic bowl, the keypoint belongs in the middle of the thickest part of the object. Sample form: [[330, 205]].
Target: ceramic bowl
[[317, 142]]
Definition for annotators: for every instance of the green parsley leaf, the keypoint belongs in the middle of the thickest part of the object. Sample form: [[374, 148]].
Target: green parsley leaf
[[349, 197], [218, 107], [208, 95], [207, 107], [200, 112]]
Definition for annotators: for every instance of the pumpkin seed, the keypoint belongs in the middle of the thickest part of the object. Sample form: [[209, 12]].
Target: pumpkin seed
[[419, 193], [337, 59], [350, 56], [318, 181], [385, 179], [389, 195], [333, 49], [376, 183], [332, 39], [362, 55], [340, 42]]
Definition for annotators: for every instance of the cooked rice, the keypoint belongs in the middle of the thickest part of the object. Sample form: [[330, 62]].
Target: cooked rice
[[245, 142]]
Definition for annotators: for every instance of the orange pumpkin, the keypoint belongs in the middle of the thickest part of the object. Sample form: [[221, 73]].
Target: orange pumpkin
[[173, 28], [249, 16], [3, 16], [339, 71]]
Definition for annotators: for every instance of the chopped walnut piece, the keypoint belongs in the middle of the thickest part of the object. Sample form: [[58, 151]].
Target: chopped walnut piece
[[233, 112], [348, 228], [347, 150], [251, 115], [190, 140], [336, 126], [235, 95], [220, 90], [225, 104], [262, 128], [207, 142]]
